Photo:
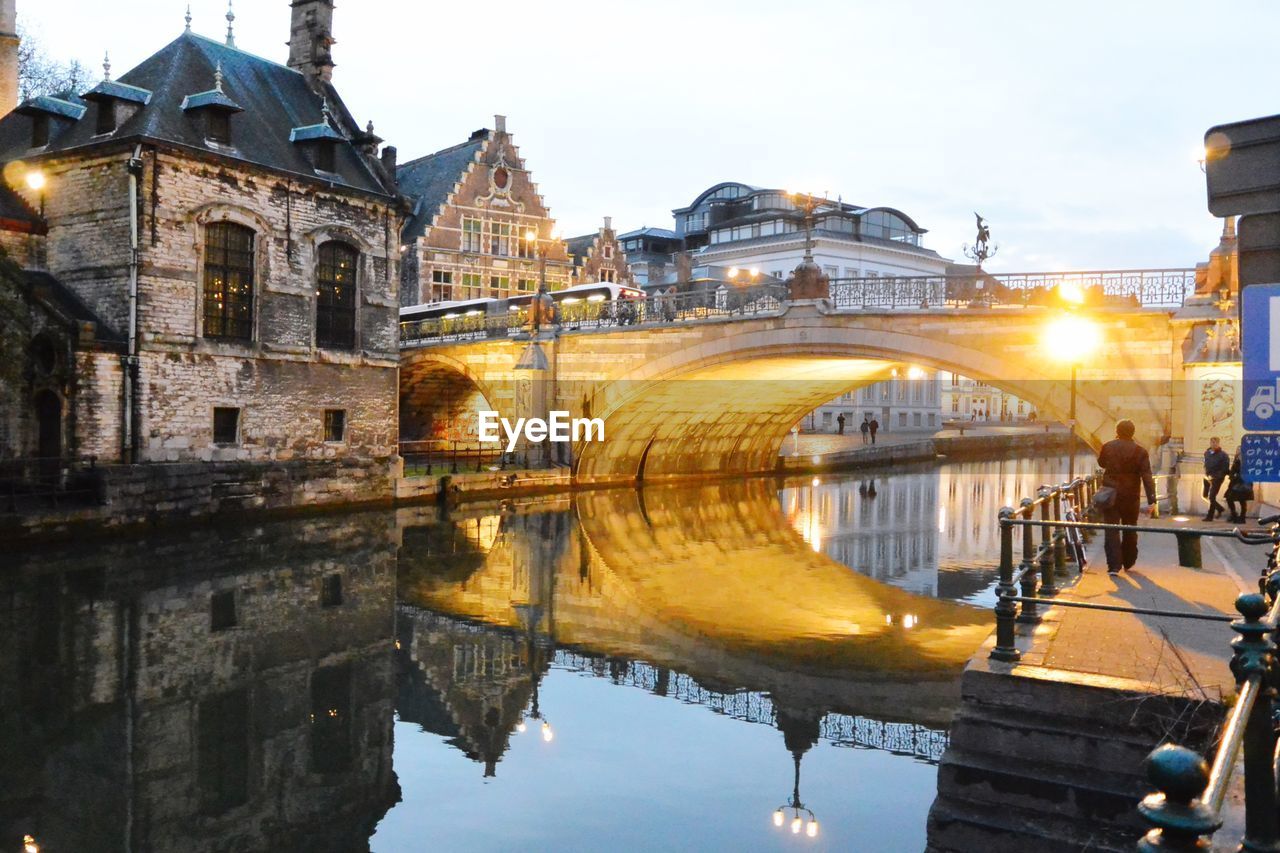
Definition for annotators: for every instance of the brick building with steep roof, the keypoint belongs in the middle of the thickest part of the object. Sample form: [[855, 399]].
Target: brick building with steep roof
[[227, 218], [479, 227], [599, 256]]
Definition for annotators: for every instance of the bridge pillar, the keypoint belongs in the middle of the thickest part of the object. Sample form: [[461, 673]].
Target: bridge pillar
[[534, 391]]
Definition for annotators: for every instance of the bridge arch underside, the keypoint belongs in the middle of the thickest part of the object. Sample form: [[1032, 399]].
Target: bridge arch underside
[[731, 412], [438, 403]]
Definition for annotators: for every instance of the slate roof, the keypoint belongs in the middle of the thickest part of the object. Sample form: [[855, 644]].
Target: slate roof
[[67, 106], [662, 233], [64, 300], [276, 99], [579, 246], [429, 180]]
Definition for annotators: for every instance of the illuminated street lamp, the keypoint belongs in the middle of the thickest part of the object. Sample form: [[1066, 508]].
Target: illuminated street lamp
[[1071, 338], [36, 181]]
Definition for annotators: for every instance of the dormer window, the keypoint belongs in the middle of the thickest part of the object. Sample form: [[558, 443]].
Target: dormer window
[[326, 157], [116, 103], [218, 127], [39, 131], [212, 111], [49, 117], [320, 141], [106, 122]]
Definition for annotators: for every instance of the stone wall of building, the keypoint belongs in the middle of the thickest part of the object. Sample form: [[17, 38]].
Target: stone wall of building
[[119, 496], [280, 380]]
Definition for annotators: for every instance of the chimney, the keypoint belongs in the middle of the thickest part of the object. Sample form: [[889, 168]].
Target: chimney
[[500, 124], [311, 40], [608, 223], [8, 56]]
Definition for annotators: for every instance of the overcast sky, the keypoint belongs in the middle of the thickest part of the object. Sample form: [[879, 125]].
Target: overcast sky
[[1073, 127]]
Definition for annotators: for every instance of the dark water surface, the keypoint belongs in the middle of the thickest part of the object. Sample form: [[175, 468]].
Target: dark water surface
[[612, 670]]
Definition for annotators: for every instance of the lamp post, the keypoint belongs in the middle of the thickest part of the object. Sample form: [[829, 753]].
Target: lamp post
[[1071, 339], [794, 806], [542, 308], [807, 204], [807, 281]]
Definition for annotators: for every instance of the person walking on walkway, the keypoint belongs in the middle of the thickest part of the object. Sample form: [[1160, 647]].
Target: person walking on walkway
[[840, 424], [1127, 470], [873, 428], [1216, 467], [866, 428], [1239, 490]]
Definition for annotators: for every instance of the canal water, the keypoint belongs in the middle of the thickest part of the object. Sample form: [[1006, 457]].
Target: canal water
[[749, 665]]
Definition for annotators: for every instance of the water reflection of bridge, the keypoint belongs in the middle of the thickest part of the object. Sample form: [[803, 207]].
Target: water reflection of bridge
[[704, 594], [922, 742]]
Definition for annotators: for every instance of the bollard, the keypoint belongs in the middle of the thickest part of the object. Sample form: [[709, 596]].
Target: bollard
[[1189, 551], [1006, 608], [1030, 612], [1048, 580], [1254, 657], [1182, 822]]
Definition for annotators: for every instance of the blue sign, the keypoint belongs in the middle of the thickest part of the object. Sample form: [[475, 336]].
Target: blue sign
[[1260, 457], [1260, 340]]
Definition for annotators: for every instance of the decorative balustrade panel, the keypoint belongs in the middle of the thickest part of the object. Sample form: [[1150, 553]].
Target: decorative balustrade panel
[[1150, 289], [921, 742]]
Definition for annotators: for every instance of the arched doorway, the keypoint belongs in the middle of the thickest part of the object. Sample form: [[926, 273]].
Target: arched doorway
[[48, 406]]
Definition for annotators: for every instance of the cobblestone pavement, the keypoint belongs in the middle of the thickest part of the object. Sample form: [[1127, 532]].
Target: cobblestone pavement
[[1167, 654]]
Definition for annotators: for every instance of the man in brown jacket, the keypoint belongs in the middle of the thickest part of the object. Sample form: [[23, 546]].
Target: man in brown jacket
[[1127, 467]]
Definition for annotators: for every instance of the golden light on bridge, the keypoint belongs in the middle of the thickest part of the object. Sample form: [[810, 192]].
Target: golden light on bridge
[[1071, 292], [1071, 339], [36, 180]]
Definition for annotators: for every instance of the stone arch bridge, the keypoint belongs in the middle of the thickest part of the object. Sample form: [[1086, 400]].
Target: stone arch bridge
[[706, 392]]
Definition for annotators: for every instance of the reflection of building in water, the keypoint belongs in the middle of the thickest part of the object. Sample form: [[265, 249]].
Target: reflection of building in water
[[242, 701], [931, 531], [882, 527], [471, 684], [972, 495], [465, 682]]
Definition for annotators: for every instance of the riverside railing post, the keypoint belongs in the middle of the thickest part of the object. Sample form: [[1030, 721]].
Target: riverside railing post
[[1006, 607], [1059, 537], [1182, 822], [1254, 658], [1048, 582], [1030, 612]]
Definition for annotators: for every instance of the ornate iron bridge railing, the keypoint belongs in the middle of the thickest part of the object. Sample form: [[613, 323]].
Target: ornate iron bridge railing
[[1161, 288], [920, 742], [664, 309]]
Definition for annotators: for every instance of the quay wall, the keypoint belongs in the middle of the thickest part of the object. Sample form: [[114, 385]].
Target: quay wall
[[123, 497]]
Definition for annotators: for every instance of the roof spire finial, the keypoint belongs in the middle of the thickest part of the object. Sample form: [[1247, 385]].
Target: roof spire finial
[[231, 25], [106, 67], [326, 115], [217, 77], [188, 18]]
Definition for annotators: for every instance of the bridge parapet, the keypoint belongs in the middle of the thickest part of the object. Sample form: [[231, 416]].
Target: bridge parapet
[[1154, 289]]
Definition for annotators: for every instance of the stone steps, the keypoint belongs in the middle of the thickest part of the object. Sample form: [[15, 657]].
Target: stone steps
[[1051, 764]]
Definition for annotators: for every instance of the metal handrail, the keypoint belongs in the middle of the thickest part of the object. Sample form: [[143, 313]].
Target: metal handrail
[[1187, 807], [1043, 562]]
